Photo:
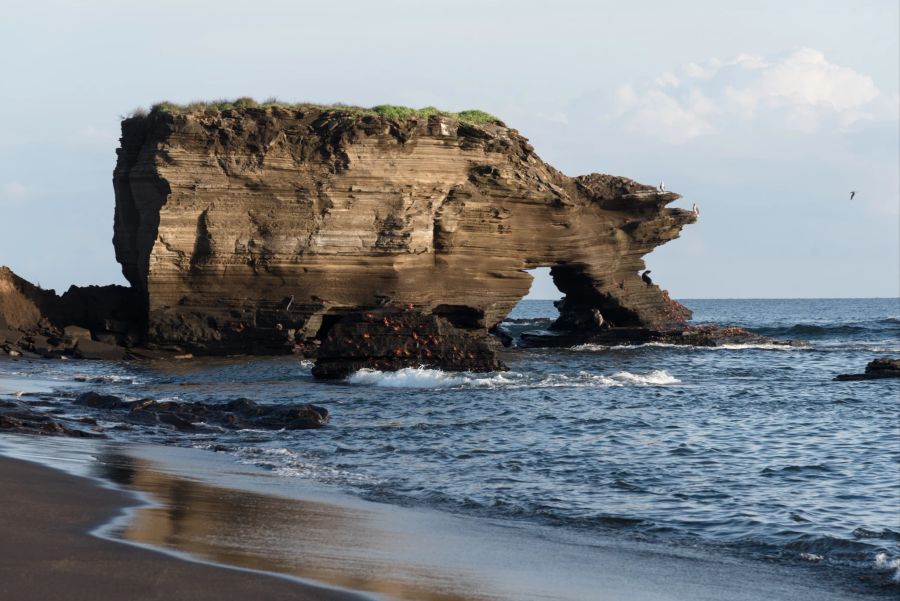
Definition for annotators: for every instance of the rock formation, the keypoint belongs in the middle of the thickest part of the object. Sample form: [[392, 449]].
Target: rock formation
[[233, 415], [261, 228], [876, 369], [86, 322]]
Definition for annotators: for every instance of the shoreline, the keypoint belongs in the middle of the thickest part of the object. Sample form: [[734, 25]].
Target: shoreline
[[58, 557], [208, 512]]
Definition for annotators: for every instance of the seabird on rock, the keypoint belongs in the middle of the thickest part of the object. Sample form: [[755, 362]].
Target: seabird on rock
[[695, 210], [646, 278], [852, 194], [662, 186]]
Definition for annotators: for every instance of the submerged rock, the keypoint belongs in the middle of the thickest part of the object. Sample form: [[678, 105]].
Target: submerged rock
[[875, 370], [20, 418], [238, 414], [696, 335]]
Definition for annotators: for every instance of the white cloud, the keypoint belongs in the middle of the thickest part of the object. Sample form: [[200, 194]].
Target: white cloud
[[801, 91], [708, 69], [656, 113], [668, 79]]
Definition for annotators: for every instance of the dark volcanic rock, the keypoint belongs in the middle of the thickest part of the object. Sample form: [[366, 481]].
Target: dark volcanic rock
[[102, 401], [875, 370], [702, 335], [19, 418], [87, 323], [391, 339], [237, 414]]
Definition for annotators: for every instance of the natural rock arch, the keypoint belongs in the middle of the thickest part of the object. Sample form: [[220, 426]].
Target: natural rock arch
[[250, 228]]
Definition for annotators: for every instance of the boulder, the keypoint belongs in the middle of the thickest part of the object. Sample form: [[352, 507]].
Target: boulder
[[875, 370], [77, 333], [391, 339]]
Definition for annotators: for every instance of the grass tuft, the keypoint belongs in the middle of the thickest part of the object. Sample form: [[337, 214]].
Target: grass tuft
[[387, 111]]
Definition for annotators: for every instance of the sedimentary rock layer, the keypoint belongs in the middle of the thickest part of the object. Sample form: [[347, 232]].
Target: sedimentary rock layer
[[261, 228]]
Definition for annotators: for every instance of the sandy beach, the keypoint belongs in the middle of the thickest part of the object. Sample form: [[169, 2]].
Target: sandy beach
[[46, 552]]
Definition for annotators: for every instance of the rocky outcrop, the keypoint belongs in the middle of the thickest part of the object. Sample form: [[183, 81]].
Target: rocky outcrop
[[694, 335], [93, 322], [875, 370], [23, 418], [233, 415], [392, 339], [259, 229], [52, 414]]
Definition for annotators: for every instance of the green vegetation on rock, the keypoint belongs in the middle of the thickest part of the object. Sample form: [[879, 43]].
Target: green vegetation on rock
[[388, 111]]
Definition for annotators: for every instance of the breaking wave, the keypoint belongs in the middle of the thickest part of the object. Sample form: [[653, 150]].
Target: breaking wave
[[885, 563], [657, 377], [423, 377]]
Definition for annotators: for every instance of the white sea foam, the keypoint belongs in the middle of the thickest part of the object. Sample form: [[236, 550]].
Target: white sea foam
[[104, 379], [765, 346], [657, 377], [591, 347], [582, 379], [884, 562], [423, 377], [285, 462]]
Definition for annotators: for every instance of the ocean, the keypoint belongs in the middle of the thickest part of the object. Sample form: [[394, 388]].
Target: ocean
[[751, 452]]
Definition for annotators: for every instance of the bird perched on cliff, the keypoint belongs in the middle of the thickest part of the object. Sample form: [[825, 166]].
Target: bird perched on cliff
[[662, 186], [852, 194], [646, 278], [695, 210]]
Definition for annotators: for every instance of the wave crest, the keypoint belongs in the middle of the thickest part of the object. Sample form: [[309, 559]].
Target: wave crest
[[657, 377], [884, 562], [423, 377]]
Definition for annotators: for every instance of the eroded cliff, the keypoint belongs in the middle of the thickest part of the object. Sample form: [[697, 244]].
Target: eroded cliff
[[260, 228]]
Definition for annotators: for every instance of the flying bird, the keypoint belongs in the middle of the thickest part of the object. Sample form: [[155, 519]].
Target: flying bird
[[852, 194]]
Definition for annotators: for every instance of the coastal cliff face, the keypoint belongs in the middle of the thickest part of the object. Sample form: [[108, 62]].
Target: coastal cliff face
[[260, 228]]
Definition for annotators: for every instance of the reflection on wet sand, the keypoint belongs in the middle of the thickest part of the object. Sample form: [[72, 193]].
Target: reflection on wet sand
[[341, 546]]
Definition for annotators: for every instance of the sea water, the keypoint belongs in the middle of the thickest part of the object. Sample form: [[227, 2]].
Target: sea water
[[751, 451]]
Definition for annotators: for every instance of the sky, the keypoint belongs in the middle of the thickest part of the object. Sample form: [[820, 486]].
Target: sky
[[766, 114]]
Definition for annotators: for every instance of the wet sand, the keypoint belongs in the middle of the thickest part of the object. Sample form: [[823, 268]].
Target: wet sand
[[47, 553]]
